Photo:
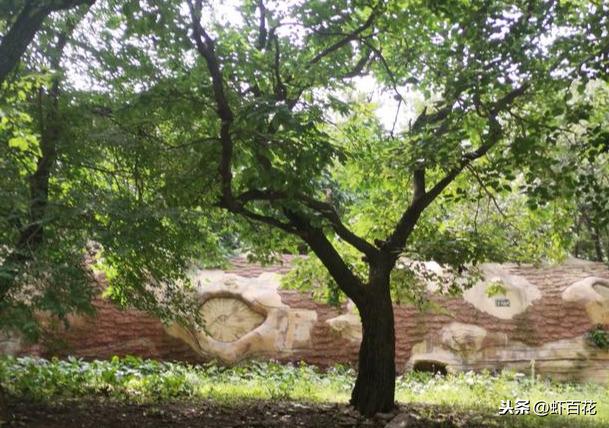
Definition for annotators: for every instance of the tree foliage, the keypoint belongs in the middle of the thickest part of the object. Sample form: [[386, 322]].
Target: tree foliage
[[169, 131]]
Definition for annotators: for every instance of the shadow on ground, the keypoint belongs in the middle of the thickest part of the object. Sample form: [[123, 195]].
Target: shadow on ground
[[107, 413]]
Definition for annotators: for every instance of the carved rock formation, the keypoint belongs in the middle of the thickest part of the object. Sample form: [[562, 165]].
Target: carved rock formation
[[516, 296], [348, 326], [243, 317], [593, 292]]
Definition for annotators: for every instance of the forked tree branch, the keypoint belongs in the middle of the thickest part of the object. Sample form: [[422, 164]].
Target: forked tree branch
[[348, 282], [325, 209], [354, 35], [297, 224], [329, 213], [395, 243]]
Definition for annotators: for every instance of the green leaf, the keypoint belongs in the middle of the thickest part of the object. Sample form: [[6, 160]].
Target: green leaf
[[20, 143]]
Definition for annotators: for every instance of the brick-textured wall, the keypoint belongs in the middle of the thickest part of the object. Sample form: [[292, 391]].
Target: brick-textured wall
[[116, 332], [110, 332]]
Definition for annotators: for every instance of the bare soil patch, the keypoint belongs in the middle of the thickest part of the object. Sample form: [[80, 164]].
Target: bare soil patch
[[96, 413]]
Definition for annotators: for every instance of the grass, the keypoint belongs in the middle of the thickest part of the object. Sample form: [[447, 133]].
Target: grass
[[484, 393], [133, 379]]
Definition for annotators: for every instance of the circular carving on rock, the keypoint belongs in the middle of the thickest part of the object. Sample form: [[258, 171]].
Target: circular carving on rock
[[227, 319]]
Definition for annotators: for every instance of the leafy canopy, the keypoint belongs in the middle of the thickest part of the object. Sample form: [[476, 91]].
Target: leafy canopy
[[188, 130]]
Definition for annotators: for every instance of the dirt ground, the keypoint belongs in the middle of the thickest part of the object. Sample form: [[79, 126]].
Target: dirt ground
[[100, 413]]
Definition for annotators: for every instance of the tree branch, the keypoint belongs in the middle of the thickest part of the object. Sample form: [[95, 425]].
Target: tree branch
[[329, 213], [281, 91], [272, 221], [27, 24], [262, 33], [396, 241], [490, 195], [348, 38], [205, 47], [323, 208], [418, 180], [297, 223], [348, 282], [359, 66]]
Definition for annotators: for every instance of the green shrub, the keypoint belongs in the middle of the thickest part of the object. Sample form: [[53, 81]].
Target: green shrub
[[599, 337]]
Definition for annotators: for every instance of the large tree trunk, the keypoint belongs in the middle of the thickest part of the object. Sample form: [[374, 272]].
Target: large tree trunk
[[375, 385]]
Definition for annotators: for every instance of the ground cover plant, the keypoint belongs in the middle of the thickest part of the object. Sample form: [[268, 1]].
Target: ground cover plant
[[156, 386]]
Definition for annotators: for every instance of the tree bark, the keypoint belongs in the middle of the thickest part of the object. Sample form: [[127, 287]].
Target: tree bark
[[598, 246], [22, 32], [16, 41], [375, 384], [3, 407]]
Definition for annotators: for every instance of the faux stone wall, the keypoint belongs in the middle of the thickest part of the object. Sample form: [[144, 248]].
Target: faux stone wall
[[551, 330], [551, 310], [111, 332]]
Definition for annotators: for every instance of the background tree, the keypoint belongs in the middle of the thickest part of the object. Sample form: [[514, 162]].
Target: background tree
[[57, 192], [41, 257], [29, 151], [586, 150]]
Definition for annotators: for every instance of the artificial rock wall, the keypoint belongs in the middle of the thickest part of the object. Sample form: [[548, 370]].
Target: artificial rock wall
[[542, 314]]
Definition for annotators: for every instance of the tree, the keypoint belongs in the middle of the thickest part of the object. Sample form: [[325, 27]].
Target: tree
[[55, 197], [587, 149], [58, 194], [495, 76], [29, 152], [241, 123], [34, 132]]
